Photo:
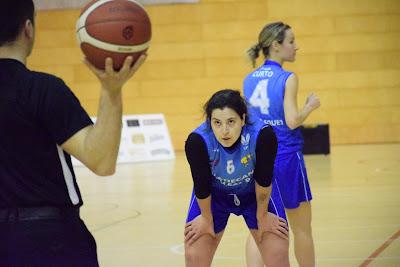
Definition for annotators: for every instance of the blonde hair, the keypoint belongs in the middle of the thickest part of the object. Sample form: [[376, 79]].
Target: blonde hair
[[270, 32]]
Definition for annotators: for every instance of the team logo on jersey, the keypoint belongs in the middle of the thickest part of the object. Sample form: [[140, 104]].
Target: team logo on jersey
[[215, 160], [245, 160], [234, 181], [245, 140]]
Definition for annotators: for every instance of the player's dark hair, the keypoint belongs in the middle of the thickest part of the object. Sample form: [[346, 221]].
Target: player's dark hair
[[226, 98], [13, 15]]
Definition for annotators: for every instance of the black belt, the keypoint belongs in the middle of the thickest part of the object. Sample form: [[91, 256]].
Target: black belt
[[37, 213]]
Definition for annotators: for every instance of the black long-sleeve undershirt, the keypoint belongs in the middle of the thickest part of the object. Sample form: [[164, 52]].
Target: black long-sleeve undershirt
[[197, 156]]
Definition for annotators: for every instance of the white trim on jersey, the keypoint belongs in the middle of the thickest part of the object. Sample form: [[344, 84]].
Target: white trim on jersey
[[302, 174], [192, 202], [69, 181], [276, 210], [276, 186], [84, 37]]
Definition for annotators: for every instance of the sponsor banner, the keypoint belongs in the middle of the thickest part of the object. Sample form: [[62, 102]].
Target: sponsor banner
[[66, 4], [144, 138]]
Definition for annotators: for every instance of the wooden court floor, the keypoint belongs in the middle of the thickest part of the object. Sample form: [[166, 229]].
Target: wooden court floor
[[137, 216]]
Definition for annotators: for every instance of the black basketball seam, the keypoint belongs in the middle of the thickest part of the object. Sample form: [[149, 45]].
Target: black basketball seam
[[85, 26], [111, 21]]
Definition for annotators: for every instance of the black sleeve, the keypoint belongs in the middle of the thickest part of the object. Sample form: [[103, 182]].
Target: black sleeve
[[60, 110], [266, 148], [197, 156]]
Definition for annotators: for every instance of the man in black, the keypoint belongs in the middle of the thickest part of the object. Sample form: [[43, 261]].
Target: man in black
[[41, 124]]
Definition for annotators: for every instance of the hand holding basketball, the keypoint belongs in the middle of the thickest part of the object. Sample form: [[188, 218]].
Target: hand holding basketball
[[112, 80]]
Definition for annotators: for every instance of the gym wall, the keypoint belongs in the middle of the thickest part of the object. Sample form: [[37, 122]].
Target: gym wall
[[349, 55]]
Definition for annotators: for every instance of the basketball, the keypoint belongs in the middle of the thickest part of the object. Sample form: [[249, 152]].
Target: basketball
[[113, 28]]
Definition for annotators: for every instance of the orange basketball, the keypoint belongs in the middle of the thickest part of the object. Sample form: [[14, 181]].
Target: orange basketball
[[113, 28]]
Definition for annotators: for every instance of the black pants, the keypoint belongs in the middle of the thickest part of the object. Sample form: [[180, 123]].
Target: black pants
[[49, 241]]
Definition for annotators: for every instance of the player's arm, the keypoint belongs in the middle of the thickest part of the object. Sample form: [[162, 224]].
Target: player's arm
[[293, 116], [266, 149], [197, 156], [96, 146]]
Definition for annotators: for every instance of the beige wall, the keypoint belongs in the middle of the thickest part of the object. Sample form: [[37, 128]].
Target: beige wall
[[349, 55]]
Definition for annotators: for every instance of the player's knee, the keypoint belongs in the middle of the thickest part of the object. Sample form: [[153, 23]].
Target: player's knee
[[277, 257], [191, 254], [276, 251], [302, 230]]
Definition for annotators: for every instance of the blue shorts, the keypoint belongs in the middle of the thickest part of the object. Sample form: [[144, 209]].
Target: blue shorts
[[291, 175], [222, 205]]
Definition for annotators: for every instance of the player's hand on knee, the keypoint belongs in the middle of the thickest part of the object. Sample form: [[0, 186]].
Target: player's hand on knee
[[198, 227], [269, 222], [278, 226]]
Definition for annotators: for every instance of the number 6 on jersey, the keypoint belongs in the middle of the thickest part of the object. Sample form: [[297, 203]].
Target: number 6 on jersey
[[230, 168]]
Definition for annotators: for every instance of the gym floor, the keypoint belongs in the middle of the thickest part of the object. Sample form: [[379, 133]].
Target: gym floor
[[137, 216]]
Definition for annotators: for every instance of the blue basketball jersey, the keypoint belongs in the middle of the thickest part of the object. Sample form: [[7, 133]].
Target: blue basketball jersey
[[264, 90], [232, 168]]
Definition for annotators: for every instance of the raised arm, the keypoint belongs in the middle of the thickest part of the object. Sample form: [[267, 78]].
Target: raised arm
[[96, 146], [294, 117]]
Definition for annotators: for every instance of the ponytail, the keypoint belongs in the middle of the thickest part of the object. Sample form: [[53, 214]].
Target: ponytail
[[253, 53]]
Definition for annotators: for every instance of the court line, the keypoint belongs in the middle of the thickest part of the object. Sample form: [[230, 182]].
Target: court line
[[379, 250], [179, 250], [113, 223]]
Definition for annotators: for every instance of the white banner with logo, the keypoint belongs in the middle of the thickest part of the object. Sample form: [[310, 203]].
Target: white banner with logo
[[144, 137]]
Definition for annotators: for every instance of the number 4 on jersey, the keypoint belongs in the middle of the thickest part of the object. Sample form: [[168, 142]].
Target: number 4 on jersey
[[259, 98]]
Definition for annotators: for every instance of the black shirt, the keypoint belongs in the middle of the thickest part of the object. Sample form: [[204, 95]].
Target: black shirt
[[38, 113], [197, 156]]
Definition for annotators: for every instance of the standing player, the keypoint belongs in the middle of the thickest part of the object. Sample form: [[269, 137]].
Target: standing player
[[42, 124], [231, 162], [272, 94]]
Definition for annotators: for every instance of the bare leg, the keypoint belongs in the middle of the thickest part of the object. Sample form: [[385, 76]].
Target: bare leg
[[274, 249], [253, 255], [300, 223], [201, 253]]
